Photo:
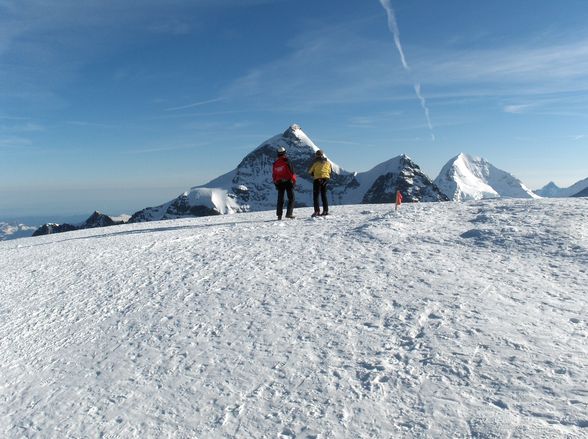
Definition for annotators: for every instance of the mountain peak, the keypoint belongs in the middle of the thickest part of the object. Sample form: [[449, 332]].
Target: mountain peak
[[293, 131], [467, 177], [551, 186], [398, 174], [95, 214]]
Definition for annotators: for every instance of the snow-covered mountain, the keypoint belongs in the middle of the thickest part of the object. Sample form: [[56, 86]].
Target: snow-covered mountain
[[551, 190], [97, 219], [14, 231], [251, 182], [466, 177], [398, 174], [249, 186], [437, 321]]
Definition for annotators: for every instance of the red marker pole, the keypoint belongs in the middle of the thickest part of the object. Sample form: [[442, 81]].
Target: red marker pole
[[398, 199]]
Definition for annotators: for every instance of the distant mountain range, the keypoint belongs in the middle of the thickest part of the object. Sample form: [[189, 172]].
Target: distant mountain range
[[97, 219], [14, 231], [551, 190], [249, 187]]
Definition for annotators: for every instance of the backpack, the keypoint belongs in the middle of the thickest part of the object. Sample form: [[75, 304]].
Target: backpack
[[281, 171]]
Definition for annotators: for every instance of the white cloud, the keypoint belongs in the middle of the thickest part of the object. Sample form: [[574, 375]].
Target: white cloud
[[14, 142], [393, 26], [158, 149], [45, 44], [196, 104], [334, 66], [518, 64], [28, 127], [516, 109]]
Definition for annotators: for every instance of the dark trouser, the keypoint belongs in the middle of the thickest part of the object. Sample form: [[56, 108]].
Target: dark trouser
[[320, 186], [288, 187]]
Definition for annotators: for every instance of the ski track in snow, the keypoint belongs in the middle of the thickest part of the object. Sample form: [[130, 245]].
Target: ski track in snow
[[440, 320]]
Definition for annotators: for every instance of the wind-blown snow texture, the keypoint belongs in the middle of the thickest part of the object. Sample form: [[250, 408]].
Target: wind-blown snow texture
[[441, 320], [473, 178]]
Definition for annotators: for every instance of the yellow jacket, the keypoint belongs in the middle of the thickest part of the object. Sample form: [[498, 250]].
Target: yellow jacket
[[320, 168]]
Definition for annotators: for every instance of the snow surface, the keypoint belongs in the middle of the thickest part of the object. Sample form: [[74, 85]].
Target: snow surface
[[439, 320], [466, 177]]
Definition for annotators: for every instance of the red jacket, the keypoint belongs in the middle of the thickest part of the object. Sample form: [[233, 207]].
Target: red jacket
[[283, 170]]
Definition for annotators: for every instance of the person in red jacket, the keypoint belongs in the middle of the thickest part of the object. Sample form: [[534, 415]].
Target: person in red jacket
[[284, 179]]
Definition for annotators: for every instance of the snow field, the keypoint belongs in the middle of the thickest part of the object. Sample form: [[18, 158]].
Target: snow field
[[441, 320]]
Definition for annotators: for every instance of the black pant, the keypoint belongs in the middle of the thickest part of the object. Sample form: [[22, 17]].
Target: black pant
[[288, 187], [320, 186]]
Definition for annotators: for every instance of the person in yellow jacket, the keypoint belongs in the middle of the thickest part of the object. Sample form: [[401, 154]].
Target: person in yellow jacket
[[321, 173]]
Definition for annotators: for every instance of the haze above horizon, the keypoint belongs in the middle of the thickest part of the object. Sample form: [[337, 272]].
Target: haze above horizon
[[104, 105]]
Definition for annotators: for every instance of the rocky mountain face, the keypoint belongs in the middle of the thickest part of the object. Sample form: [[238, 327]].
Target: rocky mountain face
[[251, 182], [399, 174], [97, 219], [253, 188], [473, 178], [249, 187], [50, 228]]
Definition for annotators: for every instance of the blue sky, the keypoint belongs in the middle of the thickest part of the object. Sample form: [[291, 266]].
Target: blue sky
[[106, 105]]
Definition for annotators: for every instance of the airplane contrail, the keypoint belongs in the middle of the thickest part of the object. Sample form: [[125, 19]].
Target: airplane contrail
[[393, 26], [195, 104], [417, 89]]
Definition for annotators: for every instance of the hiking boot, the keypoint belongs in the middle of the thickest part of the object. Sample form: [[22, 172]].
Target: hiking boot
[[324, 213], [315, 214], [290, 216]]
